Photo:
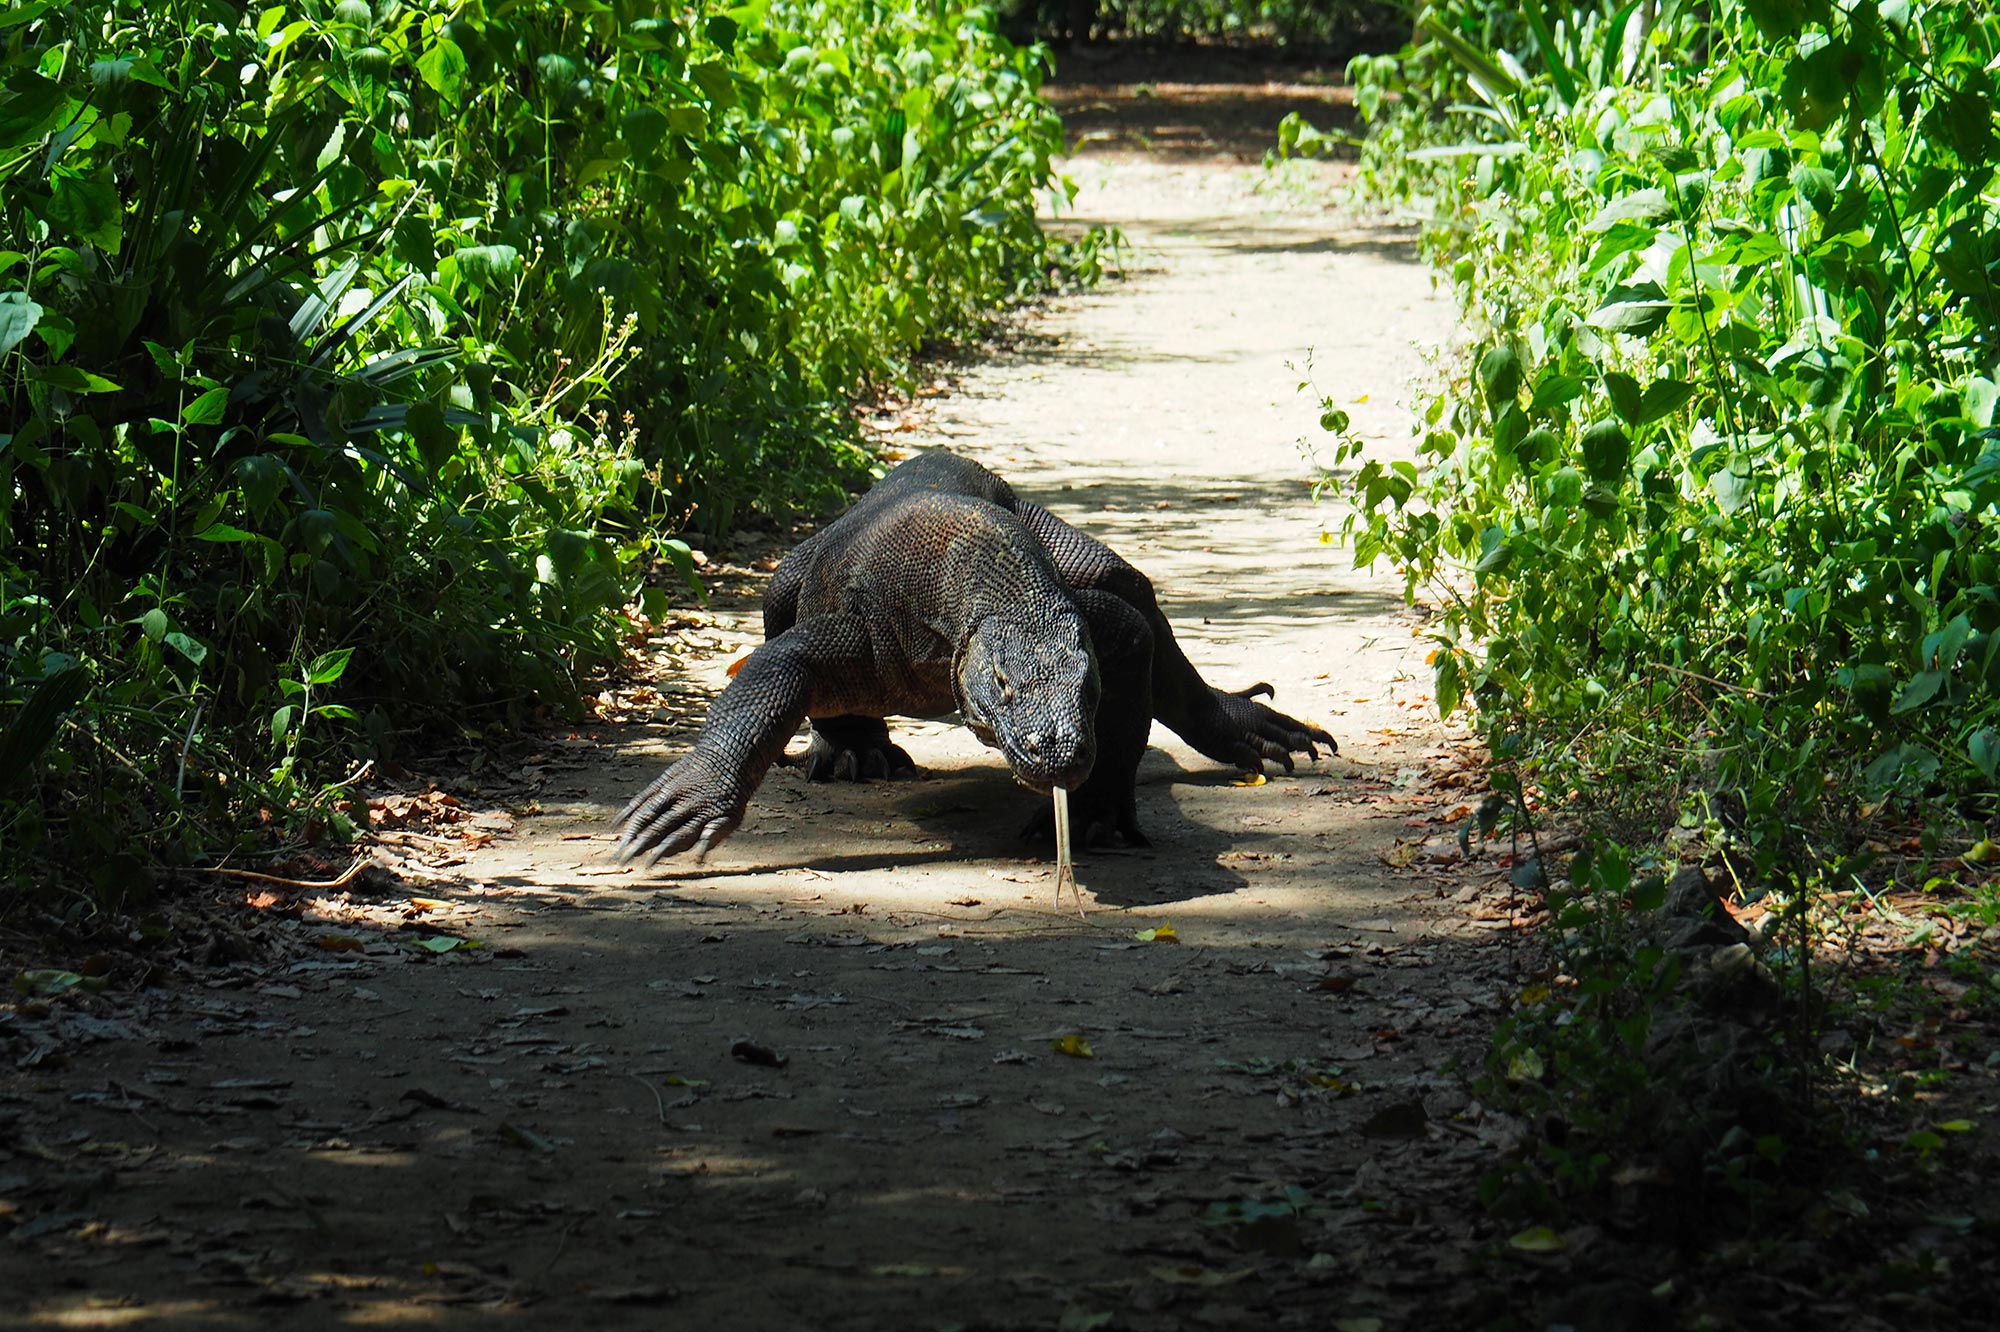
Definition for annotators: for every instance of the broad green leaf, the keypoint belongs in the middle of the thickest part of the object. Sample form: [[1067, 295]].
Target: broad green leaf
[[193, 649], [1984, 750], [1634, 311], [1607, 451], [328, 666], [442, 68], [1626, 398], [1639, 206], [1663, 397], [1921, 689], [87, 210], [18, 316], [1500, 375], [1555, 390], [31, 109], [1816, 185], [36, 721], [206, 409], [70, 378], [488, 264]]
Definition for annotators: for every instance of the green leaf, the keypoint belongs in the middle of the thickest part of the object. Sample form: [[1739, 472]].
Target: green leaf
[[41, 982], [1500, 375], [487, 264], [194, 650], [1555, 390], [1607, 451], [1921, 689], [328, 666], [1984, 750], [32, 107], [1626, 399], [153, 624], [70, 378], [1635, 310], [18, 316], [1552, 57], [442, 67], [87, 210], [1816, 185], [1907, 765], [35, 723], [1639, 206], [1663, 397], [1538, 1239], [206, 409], [1565, 487]]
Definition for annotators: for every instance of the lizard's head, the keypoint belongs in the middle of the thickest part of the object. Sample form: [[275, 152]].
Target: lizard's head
[[1032, 693]]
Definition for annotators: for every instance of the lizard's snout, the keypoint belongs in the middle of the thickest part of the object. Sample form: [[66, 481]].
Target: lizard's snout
[[1048, 758]]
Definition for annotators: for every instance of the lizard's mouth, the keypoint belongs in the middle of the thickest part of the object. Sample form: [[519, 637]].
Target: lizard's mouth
[[1043, 762]]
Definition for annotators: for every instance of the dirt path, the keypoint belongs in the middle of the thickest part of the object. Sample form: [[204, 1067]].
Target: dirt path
[[552, 1128]]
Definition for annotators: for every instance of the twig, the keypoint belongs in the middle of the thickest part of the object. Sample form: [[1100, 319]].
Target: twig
[[1745, 690], [659, 1098], [187, 742], [316, 885]]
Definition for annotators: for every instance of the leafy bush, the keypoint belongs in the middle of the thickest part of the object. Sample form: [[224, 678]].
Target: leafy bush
[[1345, 24], [375, 350], [1715, 494]]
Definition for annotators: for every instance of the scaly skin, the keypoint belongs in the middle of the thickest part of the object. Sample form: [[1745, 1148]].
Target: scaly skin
[[940, 591]]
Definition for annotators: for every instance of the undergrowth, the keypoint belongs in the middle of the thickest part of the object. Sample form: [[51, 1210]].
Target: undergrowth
[[357, 361], [1709, 510]]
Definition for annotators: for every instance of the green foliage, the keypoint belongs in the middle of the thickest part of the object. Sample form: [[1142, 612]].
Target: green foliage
[[1718, 495], [1336, 23], [373, 350]]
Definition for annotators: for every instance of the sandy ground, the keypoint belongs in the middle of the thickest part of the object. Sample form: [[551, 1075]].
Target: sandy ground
[[950, 1104]]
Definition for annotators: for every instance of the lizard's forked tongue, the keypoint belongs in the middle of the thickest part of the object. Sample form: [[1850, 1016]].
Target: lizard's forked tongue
[[1065, 866]]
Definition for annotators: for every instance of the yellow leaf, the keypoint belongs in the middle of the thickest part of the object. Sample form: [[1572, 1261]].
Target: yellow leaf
[[1982, 851], [1534, 994], [1539, 1239], [1363, 398], [1326, 538], [1430, 658], [1526, 1066], [1250, 779], [1074, 1046], [1162, 933], [1957, 1126], [341, 943]]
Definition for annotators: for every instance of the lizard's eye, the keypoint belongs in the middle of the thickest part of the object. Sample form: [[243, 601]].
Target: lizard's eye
[[1000, 683]]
